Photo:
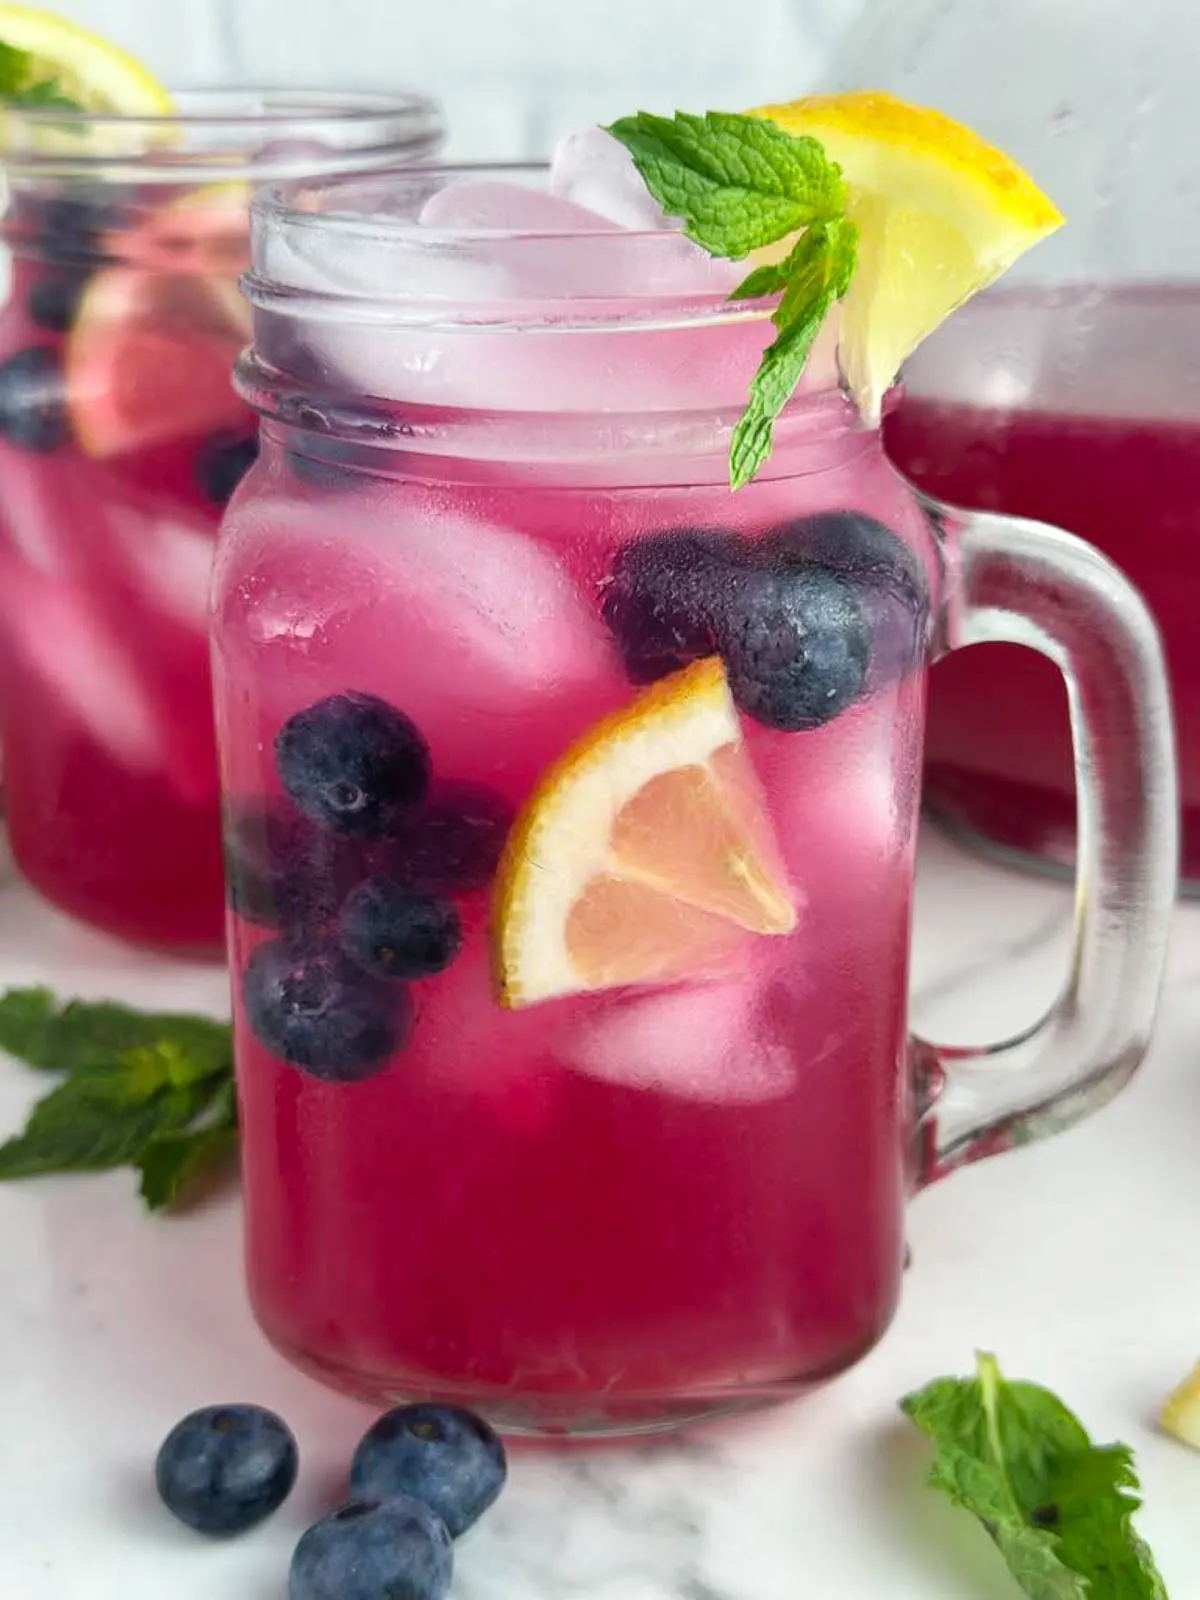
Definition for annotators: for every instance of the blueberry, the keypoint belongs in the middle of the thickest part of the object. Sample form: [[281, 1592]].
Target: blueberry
[[455, 842], [32, 410], [796, 646], [447, 1457], [281, 870], [393, 1549], [394, 932], [888, 578], [354, 764], [310, 1005], [664, 597], [225, 1468], [222, 464], [54, 297]]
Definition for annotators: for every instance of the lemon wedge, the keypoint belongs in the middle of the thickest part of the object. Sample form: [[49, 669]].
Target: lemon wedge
[[941, 214], [644, 855], [97, 75], [1180, 1415]]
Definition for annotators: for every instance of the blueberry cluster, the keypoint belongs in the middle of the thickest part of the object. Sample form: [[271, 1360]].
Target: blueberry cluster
[[421, 1476], [808, 619], [357, 872]]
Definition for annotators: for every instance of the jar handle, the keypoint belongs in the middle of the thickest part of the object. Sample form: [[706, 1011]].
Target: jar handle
[[1027, 583]]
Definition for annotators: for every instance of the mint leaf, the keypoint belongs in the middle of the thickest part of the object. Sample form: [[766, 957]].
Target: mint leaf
[[93, 1122], [90, 1035], [146, 1089], [814, 276], [44, 96], [15, 67], [739, 183], [742, 184], [172, 1164], [1057, 1507]]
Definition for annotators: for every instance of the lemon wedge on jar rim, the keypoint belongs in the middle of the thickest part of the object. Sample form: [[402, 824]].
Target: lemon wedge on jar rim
[[940, 212], [96, 75]]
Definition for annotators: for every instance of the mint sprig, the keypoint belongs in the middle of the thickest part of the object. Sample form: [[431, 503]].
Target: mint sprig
[[742, 184], [149, 1090], [1058, 1508], [20, 86]]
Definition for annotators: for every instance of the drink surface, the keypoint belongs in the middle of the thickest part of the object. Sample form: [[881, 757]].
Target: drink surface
[[1103, 440]]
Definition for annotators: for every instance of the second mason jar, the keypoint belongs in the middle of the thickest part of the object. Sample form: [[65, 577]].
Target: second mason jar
[[120, 441]]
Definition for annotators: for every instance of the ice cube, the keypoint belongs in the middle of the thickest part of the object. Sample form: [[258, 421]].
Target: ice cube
[[476, 630], [707, 1042], [64, 642], [592, 169], [170, 564], [509, 208]]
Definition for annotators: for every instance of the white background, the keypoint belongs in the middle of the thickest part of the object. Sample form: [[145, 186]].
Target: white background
[[512, 74]]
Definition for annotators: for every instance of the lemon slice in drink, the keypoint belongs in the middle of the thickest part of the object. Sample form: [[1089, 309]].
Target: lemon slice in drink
[[644, 855], [87, 69], [941, 214]]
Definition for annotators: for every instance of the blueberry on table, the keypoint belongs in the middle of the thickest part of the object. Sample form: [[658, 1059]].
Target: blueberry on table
[[796, 646], [391, 931], [889, 579], [395, 1549], [222, 464], [225, 1468], [33, 411], [455, 843], [442, 1455], [665, 595], [354, 764], [54, 297], [311, 1006]]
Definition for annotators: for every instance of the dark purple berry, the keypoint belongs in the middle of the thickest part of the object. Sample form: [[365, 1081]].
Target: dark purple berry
[[445, 1456], [226, 1468], [54, 297], [664, 598], [33, 413], [310, 1005], [354, 764], [395, 1549], [393, 932], [455, 842]]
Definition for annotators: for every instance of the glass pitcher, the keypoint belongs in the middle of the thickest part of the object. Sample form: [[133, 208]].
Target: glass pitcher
[[570, 806], [1071, 393]]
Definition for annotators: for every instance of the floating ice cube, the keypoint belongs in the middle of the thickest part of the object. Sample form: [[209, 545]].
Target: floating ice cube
[[708, 1042], [64, 642], [509, 208], [170, 564], [592, 169]]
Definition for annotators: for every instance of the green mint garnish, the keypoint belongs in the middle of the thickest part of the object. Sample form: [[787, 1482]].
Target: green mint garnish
[[741, 184], [153, 1091], [1058, 1507], [19, 85]]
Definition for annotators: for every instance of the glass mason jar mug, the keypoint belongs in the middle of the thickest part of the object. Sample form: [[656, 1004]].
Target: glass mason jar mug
[[570, 807], [120, 441]]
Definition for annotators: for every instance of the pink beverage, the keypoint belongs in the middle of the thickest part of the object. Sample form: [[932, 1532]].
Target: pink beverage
[[1101, 436], [121, 441], [570, 811]]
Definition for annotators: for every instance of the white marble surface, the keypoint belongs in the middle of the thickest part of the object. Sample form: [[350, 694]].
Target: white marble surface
[[1074, 1261]]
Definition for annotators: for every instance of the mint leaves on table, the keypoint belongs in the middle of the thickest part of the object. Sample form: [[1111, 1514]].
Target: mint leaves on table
[[741, 184], [1058, 1507], [21, 86], [148, 1090]]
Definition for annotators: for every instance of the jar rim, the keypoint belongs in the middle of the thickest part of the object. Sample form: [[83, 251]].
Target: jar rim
[[603, 279], [261, 133]]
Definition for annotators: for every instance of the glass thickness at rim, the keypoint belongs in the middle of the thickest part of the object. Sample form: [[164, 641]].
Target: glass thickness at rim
[[632, 276], [264, 133]]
